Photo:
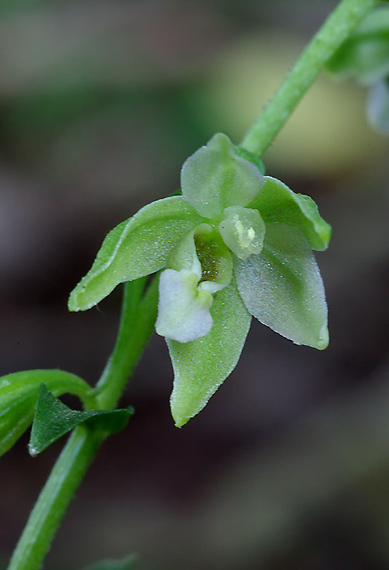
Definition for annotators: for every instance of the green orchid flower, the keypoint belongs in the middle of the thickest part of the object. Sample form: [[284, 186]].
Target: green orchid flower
[[236, 244]]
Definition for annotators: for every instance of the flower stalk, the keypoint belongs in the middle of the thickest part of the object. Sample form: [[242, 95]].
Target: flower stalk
[[338, 26]]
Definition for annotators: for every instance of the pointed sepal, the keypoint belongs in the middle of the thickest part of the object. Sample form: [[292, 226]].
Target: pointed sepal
[[279, 204], [283, 288], [135, 248], [215, 177], [202, 365]]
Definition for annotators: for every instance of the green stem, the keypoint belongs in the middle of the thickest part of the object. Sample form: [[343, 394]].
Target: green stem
[[130, 340], [136, 325], [54, 500], [331, 35]]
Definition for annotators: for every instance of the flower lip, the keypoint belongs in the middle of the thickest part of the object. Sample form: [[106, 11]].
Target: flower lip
[[183, 309], [214, 257], [200, 266]]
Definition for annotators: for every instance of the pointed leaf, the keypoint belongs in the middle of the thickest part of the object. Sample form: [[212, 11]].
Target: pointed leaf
[[202, 365], [283, 289], [279, 204], [18, 396], [53, 419], [135, 248], [215, 177]]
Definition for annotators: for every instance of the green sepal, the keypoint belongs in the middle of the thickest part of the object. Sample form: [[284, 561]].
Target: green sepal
[[215, 177], [135, 248], [283, 289], [202, 365], [53, 419], [279, 204], [18, 396], [365, 53], [127, 563]]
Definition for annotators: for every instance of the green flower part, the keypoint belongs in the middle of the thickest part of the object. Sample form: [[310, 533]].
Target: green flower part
[[215, 177], [365, 55], [236, 244]]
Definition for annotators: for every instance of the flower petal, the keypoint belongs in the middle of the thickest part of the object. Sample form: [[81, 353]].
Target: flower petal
[[283, 289]]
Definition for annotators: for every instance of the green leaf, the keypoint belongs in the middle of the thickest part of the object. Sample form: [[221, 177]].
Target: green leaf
[[202, 365], [53, 419], [283, 289], [135, 248], [366, 52], [215, 177], [18, 396], [127, 563], [279, 204]]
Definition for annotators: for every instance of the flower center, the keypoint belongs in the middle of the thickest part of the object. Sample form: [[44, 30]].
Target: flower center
[[245, 235]]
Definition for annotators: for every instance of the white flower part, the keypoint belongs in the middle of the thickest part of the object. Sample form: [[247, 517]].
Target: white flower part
[[183, 309], [243, 231]]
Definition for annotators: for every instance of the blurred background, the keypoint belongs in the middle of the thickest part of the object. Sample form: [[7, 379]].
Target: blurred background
[[287, 468]]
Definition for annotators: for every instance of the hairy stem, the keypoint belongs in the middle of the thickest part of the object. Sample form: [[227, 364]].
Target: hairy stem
[[331, 35]]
